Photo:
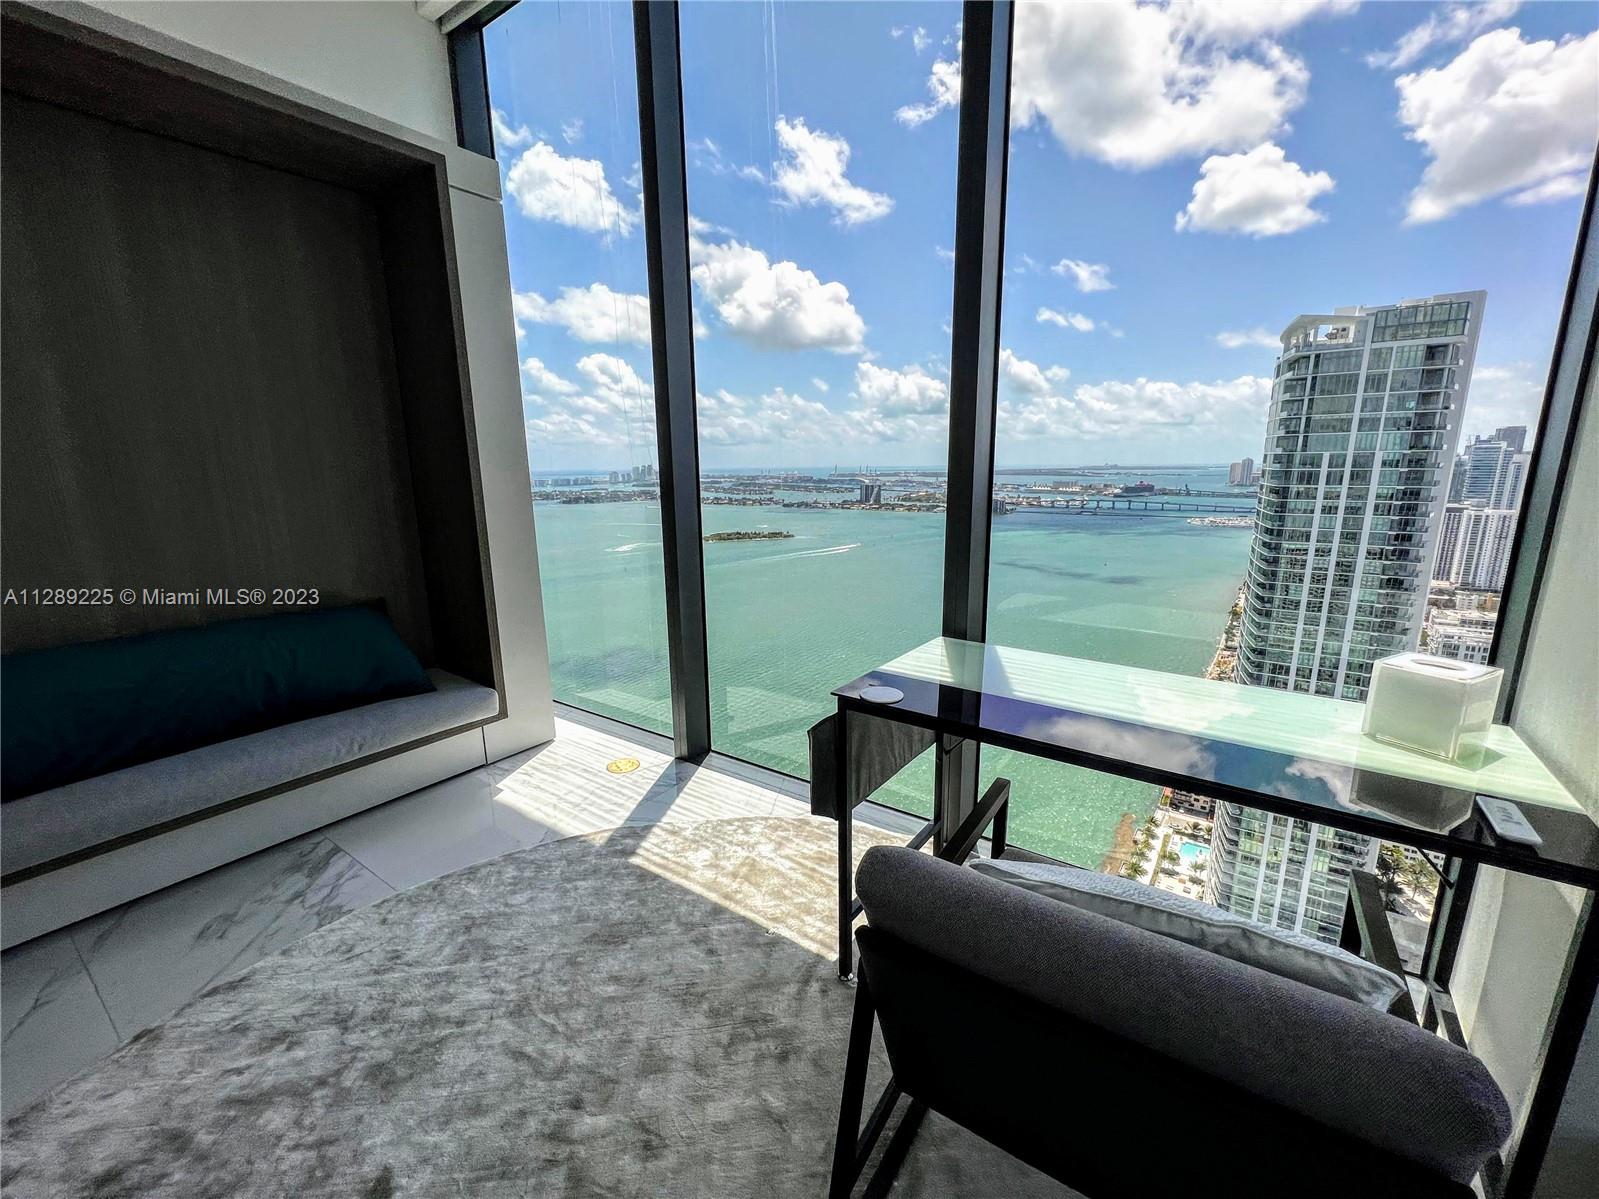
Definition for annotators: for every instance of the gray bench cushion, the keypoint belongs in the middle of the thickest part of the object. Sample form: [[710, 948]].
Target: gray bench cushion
[[1329, 1059], [50, 824], [1290, 954]]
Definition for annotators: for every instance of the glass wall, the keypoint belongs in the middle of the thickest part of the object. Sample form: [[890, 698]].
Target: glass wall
[[563, 87], [822, 223], [1280, 291], [1260, 293]]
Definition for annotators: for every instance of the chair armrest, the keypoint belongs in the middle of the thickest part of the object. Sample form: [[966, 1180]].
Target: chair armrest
[[992, 807], [1366, 932]]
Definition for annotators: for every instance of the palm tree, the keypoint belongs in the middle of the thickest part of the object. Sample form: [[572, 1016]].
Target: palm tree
[[1390, 860], [1419, 877]]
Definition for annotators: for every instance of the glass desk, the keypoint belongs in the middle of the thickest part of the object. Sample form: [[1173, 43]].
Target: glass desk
[[1295, 755], [1284, 752]]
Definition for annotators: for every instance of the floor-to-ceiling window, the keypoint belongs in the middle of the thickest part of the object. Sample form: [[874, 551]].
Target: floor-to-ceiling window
[[1269, 272], [1279, 295], [563, 90], [822, 215]]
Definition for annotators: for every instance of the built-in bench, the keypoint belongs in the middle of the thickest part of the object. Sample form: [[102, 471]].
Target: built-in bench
[[135, 762], [51, 829]]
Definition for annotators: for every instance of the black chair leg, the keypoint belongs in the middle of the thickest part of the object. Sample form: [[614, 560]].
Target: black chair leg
[[849, 1110], [899, 1146]]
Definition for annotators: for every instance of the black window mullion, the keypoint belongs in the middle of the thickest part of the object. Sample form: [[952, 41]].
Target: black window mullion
[[1570, 376], [666, 236], [469, 78], [986, 34]]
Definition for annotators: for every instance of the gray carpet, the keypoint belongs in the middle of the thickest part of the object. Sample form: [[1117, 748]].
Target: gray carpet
[[649, 1011]]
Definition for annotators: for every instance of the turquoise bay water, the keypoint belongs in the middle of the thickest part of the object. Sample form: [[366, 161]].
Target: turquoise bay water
[[790, 620]]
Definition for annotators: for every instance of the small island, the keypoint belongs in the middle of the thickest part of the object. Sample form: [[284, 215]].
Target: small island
[[754, 535]]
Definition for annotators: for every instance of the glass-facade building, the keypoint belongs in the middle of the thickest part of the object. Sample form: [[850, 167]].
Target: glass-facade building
[[1360, 435], [1284, 872], [1495, 471]]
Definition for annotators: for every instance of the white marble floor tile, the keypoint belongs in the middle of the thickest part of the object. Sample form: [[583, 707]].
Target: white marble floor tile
[[150, 956], [54, 1022], [446, 827], [566, 785]]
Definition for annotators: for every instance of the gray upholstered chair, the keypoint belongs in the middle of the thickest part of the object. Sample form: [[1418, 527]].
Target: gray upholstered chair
[[1063, 1035]]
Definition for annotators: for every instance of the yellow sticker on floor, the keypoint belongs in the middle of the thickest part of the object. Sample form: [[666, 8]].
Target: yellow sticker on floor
[[622, 765]]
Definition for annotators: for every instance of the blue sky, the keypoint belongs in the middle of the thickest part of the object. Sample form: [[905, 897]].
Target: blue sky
[[1183, 181]]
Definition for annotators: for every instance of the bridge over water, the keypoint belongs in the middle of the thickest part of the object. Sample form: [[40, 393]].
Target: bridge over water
[[1152, 506]]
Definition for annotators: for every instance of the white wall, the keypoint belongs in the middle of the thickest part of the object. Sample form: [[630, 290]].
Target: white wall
[[502, 458], [1516, 937], [377, 55], [378, 63]]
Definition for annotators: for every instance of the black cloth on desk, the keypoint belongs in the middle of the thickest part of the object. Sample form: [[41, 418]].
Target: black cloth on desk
[[878, 750]]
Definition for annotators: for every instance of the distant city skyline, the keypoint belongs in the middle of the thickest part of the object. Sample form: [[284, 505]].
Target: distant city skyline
[[1154, 249]]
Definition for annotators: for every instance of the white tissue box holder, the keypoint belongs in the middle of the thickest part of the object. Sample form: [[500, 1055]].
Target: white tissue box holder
[[1435, 706]]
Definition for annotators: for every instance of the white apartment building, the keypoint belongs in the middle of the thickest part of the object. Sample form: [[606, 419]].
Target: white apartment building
[[1360, 436], [1474, 546]]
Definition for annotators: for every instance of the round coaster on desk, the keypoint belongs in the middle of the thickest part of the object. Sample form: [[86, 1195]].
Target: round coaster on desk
[[882, 695]]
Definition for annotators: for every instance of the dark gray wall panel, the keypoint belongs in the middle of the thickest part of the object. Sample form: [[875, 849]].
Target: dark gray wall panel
[[199, 382]]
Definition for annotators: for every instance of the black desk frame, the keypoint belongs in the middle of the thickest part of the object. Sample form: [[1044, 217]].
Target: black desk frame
[[957, 729]]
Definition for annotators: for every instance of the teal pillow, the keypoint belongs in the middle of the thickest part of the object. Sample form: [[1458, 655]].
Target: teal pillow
[[77, 711]]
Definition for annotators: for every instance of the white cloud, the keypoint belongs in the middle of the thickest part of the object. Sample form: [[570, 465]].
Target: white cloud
[[1089, 276], [943, 85], [594, 313], [614, 408], [907, 405], [775, 305], [1066, 320], [897, 31], [545, 382], [505, 137], [812, 173], [1235, 339], [820, 384], [778, 418], [1561, 187], [572, 131], [948, 255], [571, 191], [920, 39], [1511, 394], [566, 428], [1143, 408], [899, 393], [1505, 116], [1259, 193], [1450, 23], [1136, 85], [1028, 378], [1241, 20], [707, 155], [610, 376], [890, 406]]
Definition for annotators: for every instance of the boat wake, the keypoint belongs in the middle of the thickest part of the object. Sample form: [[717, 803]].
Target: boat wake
[[821, 553]]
